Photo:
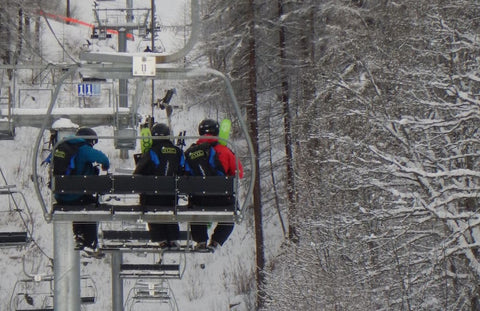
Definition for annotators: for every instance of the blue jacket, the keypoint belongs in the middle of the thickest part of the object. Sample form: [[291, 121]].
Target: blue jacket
[[84, 161]]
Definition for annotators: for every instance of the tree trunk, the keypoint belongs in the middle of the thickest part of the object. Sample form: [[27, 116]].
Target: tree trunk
[[287, 124], [18, 48], [253, 122], [68, 10]]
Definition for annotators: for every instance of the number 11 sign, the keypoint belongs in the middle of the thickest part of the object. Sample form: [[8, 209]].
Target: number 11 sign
[[144, 66]]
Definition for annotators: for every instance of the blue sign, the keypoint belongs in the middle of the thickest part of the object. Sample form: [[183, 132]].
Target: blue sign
[[88, 89]]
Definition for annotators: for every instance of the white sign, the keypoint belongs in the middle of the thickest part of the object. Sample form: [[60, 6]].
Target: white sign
[[88, 89], [144, 66]]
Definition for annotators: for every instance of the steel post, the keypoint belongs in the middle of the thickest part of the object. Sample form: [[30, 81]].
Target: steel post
[[66, 268], [117, 282]]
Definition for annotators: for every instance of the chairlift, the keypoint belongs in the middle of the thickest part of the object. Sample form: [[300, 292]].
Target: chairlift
[[149, 295], [153, 265], [88, 290], [36, 293], [14, 211], [179, 186], [33, 294]]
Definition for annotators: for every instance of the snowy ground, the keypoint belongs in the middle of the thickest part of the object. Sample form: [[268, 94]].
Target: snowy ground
[[213, 282]]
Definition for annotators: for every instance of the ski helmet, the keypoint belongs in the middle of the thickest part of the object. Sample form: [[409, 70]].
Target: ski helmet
[[86, 131], [160, 129], [208, 126]]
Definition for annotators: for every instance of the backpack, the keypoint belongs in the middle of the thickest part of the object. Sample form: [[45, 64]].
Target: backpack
[[63, 159], [202, 160], [169, 162]]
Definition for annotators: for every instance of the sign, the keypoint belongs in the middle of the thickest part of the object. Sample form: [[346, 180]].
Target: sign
[[144, 66], [88, 89]]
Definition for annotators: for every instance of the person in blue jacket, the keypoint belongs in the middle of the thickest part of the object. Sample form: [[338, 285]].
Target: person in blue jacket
[[85, 233]]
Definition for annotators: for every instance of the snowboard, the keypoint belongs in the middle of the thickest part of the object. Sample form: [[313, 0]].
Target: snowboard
[[146, 141], [224, 132]]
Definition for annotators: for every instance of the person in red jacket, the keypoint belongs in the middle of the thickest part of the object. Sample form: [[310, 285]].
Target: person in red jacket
[[222, 161]]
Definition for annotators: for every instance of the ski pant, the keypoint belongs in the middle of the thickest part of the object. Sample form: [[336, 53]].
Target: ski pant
[[220, 234], [86, 232], [163, 232]]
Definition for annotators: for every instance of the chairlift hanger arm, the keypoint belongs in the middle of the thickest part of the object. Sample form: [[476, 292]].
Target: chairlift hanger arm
[[36, 179]]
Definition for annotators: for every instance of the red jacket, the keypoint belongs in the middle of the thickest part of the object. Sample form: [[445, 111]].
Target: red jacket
[[226, 157]]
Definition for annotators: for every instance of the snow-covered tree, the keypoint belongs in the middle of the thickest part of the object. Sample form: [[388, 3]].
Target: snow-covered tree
[[386, 161]]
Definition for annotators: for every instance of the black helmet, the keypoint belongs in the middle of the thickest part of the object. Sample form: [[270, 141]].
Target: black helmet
[[160, 129], [86, 131], [208, 126]]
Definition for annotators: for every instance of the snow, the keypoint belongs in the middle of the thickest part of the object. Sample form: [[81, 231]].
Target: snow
[[220, 281], [63, 123]]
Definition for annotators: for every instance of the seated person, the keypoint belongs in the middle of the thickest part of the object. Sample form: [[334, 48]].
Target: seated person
[[81, 163], [221, 161], [163, 159]]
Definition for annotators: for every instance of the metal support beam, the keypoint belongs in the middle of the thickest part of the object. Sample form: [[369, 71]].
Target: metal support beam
[[117, 282], [122, 84], [130, 16], [66, 268]]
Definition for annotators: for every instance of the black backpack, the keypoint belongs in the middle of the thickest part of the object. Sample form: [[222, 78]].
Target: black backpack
[[63, 159], [202, 160], [169, 162]]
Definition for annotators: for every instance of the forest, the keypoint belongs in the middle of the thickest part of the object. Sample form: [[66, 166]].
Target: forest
[[364, 119]]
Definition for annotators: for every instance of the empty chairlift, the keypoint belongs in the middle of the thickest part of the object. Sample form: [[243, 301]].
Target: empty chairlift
[[148, 295], [88, 290], [36, 293], [16, 218], [33, 294], [152, 265]]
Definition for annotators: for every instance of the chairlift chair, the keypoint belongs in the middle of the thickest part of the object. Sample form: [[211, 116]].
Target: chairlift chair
[[14, 210], [33, 295], [145, 293], [88, 290]]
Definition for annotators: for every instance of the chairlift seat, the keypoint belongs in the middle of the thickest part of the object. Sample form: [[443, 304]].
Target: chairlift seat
[[152, 295], [150, 271], [78, 184], [206, 185], [210, 198], [87, 208], [87, 300], [114, 184], [7, 189], [130, 240], [128, 235], [150, 267], [13, 238]]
